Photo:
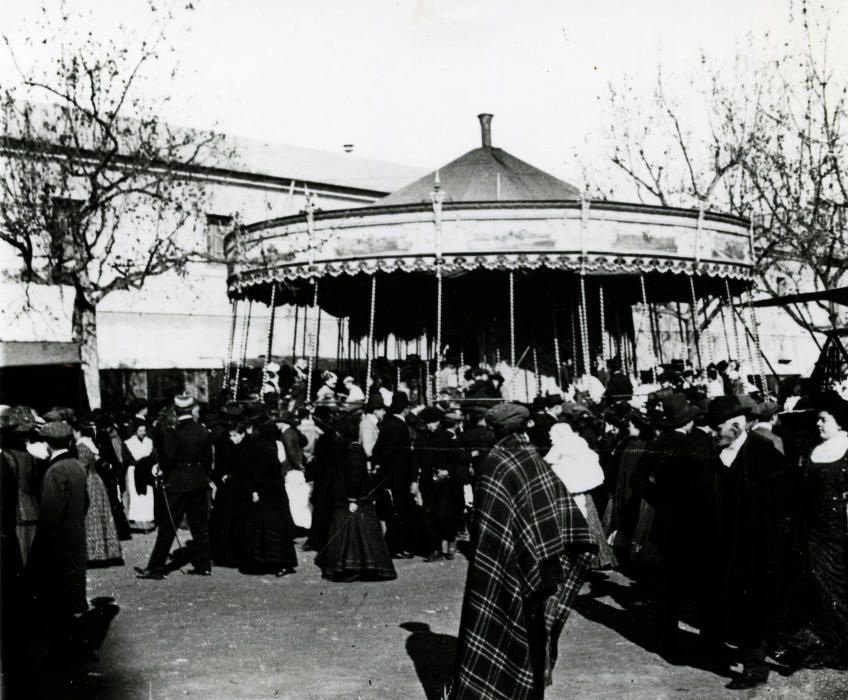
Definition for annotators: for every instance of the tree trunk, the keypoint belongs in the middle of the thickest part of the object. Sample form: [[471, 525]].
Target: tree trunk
[[85, 333]]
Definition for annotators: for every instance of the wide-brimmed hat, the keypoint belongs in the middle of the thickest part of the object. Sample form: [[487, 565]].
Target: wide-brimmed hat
[[724, 408], [677, 411], [59, 413], [400, 401], [430, 414], [284, 417], [552, 400]]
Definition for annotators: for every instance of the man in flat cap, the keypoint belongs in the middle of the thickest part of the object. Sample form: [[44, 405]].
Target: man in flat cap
[[58, 558], [528, 557], [753, 537], [185, 462]]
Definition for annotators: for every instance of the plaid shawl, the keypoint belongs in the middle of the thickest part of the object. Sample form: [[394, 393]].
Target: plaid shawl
[[523, 517]]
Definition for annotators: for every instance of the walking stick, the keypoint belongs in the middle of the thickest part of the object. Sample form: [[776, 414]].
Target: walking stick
[[171, 518]]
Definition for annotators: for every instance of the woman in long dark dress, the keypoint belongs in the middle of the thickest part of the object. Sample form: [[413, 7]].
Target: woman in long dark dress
[[228, 510], [267, 542], [356, 548], [824, 640]]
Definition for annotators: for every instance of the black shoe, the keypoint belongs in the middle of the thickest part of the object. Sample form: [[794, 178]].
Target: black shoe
[[284, 572], [745, 681], [433, 556], [403, 555], [199, 572], [449, 555], [148, 574]]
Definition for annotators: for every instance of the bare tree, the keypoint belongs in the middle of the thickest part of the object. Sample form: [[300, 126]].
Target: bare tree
[[764, 141], [96, 191]]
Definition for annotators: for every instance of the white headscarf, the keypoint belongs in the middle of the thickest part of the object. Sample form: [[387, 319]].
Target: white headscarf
[[573, 461]]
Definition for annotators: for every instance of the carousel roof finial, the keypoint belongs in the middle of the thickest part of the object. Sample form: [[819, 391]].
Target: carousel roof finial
[[486, 129], [437, 182]]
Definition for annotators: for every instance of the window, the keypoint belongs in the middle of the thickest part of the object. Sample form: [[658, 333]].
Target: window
[[216, 226]]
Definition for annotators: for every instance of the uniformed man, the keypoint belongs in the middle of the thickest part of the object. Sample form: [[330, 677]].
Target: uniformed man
[[185, 463]]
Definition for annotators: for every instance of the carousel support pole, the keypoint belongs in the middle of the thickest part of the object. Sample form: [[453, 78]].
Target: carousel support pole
[[231, 345], [696, 335], [294, 334], [684, 334], [339, 345], [312, 342], [655, 332], [651, 355], [436, 375], [708, 340], [317, 349], [370, 349], [724, 331], [270, 327], [305, 333], [512, 319]]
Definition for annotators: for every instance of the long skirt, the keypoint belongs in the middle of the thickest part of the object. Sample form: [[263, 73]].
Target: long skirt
[[101, 535], [228, 512], [356, 549], [267, 544], [605, 557], [140, 510]]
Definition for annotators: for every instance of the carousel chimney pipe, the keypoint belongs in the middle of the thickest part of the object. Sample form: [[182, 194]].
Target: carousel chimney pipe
[[486, 129]]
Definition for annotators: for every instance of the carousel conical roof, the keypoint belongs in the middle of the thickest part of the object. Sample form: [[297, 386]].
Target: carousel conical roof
[[486, 174]]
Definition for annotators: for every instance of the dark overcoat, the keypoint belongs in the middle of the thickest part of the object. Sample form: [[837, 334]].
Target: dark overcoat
[[186, 457], [756, 521], [393, 454], [58, 559]]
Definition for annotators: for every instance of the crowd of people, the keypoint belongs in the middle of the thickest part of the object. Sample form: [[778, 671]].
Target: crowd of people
[[730, 504]]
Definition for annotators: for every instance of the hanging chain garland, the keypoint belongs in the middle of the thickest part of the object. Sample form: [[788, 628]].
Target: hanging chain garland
[[755, 329], [573, 339], [605, 344], [696, 334], [245, 329], [708, 340], [733, 318], [684, 334], [536, 376], [584, 330], [651, 356], [231, 345], [270, 333], [557, 357], [370, 349], [313, 341]]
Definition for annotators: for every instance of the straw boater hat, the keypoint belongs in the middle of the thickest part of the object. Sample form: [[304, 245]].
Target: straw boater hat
[[183, 402]]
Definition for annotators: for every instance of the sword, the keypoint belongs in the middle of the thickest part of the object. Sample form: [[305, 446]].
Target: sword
[[161, 484]]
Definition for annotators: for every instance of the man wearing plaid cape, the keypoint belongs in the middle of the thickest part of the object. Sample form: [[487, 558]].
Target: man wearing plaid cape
[[529, 552]]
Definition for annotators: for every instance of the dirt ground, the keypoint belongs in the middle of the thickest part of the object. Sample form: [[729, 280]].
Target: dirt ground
[[233, 636]]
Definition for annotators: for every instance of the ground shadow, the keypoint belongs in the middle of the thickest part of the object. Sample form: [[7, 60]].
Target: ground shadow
[[632, 615], [433, 655]]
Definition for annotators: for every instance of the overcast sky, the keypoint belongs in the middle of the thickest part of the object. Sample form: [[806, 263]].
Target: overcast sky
[[404, 80]]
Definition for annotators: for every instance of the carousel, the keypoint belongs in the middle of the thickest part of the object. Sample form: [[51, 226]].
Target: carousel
[[489, 260]]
